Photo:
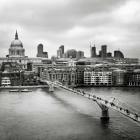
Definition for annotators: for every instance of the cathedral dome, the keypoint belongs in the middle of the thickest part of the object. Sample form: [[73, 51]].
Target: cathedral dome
[[16, 48], [16, 42]]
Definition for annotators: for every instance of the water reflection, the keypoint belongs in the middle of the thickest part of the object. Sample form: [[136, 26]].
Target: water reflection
[[105, 124]]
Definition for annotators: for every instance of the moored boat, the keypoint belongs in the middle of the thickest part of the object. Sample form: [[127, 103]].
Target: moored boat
[[26, 90], [14, 90]]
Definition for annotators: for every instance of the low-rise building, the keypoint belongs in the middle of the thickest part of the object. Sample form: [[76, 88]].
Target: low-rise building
[[119, 77], [65, 75], [11, 74], [80, 75], [98, 78], [5, 81], [133, 78]]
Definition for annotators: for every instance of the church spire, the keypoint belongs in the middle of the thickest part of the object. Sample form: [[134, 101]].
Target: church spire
[[16, 35]]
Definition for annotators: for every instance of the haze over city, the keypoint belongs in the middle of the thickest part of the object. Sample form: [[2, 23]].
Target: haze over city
[[72, 23]]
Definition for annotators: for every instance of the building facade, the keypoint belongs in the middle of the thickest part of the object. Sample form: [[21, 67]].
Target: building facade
[[80, 54], [118, 54], [96, 78], [104, 51], [65, 75], [119, 77], [60, 52], [133, 78], [93, 51], [40, 52], [71, 53]]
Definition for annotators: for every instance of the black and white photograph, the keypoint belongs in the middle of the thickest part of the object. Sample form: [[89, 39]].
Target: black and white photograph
[[69, 69]]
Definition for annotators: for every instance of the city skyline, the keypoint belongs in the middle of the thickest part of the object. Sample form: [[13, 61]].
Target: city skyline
[[69, 69], [72, 23]]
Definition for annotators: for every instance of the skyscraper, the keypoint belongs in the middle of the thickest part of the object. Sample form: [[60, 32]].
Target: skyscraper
[[40, 52], [62, 48], [104, 51], [60, 52], [80, 54], [71, 53], [118, 54], [93, 51]]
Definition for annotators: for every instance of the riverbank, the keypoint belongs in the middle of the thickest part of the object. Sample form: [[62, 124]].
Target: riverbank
[[21, 87], [80, 86]]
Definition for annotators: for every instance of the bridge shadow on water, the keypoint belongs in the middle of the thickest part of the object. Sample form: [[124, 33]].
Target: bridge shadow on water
[[90, 118], [107, 126], [89, 122]]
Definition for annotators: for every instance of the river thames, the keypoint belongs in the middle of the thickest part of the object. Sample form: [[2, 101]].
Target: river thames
[[62, 115]]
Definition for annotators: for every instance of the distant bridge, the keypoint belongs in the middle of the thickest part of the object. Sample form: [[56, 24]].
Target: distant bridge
[[103, 103]]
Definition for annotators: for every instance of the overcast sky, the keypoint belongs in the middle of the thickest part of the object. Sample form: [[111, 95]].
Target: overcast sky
[[73, 23]]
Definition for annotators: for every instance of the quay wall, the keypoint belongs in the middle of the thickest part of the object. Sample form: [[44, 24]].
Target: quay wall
[[20, 87]]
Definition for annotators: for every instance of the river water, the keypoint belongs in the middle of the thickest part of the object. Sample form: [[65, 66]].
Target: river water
[[62, 115]]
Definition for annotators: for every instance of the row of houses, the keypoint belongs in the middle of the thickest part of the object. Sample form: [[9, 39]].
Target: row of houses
[[98, 78], [91, 76], [74, 74], [112, 78]]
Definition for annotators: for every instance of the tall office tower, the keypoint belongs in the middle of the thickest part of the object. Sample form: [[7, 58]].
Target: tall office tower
[[71, 53], [93, 51], [59, 53], [118, 54], [62, 48], [104, 51], [39, 50], [80, 54]]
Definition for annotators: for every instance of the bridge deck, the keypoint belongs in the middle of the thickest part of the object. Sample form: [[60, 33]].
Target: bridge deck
[[132, 115]]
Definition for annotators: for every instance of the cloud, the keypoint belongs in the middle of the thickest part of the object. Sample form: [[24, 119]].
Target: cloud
[[58, 15], [73, 23]]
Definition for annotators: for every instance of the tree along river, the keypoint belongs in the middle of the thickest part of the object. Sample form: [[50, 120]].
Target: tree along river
[[62, 115]]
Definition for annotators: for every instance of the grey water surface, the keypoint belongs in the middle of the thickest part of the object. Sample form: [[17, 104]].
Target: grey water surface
[[62, 115]]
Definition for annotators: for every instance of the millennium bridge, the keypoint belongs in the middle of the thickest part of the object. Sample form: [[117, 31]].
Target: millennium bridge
[[104, 104]]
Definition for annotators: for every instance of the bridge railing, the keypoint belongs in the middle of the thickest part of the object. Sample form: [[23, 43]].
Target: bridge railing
[[110, 104]]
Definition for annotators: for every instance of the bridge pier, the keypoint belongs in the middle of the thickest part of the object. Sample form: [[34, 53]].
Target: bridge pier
[[105, 115], [51, 88], [104, 112]]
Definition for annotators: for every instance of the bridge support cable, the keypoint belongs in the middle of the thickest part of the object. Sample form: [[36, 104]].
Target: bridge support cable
[[126, 106]]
